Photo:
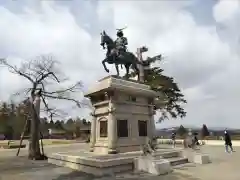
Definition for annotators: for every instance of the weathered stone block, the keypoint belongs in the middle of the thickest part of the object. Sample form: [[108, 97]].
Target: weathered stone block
[[152, 165], [201, 159]]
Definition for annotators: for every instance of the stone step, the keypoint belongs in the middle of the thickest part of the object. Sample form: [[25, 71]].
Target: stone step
[[184, 166], [170, 154], [175, 161]]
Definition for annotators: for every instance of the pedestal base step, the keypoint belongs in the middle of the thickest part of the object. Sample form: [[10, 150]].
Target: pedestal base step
[[109, 164], [175, 161]]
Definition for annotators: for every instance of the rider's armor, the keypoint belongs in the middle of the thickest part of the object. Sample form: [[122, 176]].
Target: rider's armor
[[121, 42]]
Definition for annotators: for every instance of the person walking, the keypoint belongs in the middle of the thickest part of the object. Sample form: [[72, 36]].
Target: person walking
[[228, 141], [173, 138], [196, 142]]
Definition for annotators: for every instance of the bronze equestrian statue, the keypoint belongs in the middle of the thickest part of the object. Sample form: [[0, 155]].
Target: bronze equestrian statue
[[117, 53]]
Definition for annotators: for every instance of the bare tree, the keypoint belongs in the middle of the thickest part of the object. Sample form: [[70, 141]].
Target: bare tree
[[46, 82]]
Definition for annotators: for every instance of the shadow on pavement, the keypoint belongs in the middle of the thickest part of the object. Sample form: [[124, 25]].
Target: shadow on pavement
[[129, 176], [21, 164], [75, 175]]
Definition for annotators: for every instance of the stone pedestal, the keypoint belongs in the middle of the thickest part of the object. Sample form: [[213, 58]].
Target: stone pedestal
[[123, 116]]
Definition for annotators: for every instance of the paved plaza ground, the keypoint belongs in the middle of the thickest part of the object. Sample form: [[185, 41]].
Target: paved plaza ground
[[224, 166]]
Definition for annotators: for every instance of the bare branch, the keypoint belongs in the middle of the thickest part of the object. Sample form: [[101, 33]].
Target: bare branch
[[63, 98], [54, 112], [72, 88], [51, 111], [45, 76], [24, 91], [17, 71]]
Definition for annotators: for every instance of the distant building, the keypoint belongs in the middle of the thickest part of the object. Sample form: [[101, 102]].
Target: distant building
[[57, 134], [85, 129]]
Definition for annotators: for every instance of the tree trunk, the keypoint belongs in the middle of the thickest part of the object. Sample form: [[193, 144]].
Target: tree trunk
[[34, 147]]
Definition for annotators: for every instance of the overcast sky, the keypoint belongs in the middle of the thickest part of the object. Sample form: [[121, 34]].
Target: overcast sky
[[200, 40]]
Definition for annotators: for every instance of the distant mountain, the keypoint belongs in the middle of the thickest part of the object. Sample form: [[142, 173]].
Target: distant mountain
[[197, 128], [176, 127], [222, 128]]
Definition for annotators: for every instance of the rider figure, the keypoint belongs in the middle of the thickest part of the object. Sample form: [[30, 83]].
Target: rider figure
[[121, 42]]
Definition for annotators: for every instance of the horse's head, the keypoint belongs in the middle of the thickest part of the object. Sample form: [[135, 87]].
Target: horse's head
[[105, 39]]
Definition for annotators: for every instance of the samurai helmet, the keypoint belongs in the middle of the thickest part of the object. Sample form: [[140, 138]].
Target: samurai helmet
[[120, 32]]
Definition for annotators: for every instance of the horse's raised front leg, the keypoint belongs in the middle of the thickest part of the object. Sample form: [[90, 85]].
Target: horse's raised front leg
[[104, 65], [117, 69]]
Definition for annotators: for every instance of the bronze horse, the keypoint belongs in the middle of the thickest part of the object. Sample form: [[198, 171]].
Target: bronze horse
[[128, 59]]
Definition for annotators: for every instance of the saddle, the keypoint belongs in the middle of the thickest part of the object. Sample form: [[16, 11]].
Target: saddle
[[116, 52]]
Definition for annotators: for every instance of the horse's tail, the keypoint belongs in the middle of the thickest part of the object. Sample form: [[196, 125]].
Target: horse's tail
[[135, 59]]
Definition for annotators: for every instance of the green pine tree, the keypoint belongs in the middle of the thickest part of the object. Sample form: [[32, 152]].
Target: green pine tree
[[204, 131], [169, 93], [181, 130]]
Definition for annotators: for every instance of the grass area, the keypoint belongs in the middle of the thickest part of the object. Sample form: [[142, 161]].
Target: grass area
[[45, 142], [3, 142], [57, 141]]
